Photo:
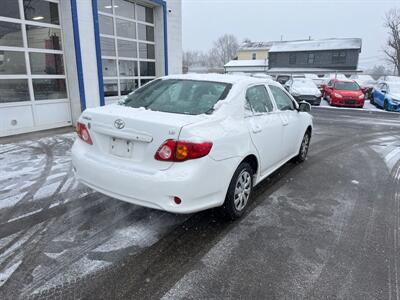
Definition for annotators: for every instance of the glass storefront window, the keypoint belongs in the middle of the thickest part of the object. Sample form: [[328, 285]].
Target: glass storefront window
[[106, 25], [128, 68], [10, 34], [124, 8], [14, 90], [22, 82], [128, 85], [146, 51], [145, 33], [104, 6], [107, 46], [12, 62], [127, 49], [109, 67], [145, 14], [47, 89], [110, 88], [46, 63], [126, 29], [124, 58], [43, 37], [9, 9], [41, 11], [147, 68]]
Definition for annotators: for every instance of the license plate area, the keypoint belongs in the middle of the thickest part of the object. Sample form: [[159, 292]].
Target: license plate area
[[121, 147], [350, 102]]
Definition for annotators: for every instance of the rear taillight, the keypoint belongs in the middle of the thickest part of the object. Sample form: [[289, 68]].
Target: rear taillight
[[83, 133], [172, 150]]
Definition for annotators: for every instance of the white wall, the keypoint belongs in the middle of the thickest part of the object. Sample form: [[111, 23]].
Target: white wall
[[69, 57], [88, 50], [174, 13]]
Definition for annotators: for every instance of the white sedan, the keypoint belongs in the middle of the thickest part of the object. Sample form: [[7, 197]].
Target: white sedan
[[187, 143]]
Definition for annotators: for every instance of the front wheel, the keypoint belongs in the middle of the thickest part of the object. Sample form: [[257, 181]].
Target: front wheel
[[305, 145], [386, 105], [372, 101], [239, 192]]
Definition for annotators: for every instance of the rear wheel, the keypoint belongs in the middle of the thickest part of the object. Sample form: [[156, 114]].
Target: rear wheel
[[239, 192], [305, 145]]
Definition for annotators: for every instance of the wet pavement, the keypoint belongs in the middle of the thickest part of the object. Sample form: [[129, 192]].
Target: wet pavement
[[328, 228]]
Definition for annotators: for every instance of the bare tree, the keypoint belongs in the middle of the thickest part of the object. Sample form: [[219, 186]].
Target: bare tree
[[224, 49], [392, 51], [377, 71], [194, 58]]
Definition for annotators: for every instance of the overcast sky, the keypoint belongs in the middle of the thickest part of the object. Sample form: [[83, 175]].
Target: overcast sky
[[267, 20]]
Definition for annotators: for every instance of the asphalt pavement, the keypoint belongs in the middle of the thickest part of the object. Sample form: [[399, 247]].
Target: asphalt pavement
[[324, 229]]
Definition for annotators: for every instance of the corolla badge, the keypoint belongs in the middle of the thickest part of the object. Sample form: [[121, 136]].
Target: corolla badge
[[119, 124]]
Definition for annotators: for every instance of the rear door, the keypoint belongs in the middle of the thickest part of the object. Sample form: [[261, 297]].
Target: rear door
[[265, 126], [290, 118]]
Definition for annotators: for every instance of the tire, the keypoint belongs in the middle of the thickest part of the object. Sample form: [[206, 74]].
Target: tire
[[237, 198], [305, 145], [385, 105]]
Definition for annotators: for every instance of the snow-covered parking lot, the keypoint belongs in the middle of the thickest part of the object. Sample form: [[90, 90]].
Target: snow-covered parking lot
[[326, 228]]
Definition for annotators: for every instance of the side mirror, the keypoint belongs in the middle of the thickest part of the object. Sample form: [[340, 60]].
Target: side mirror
[[304, 106], [384, 91]]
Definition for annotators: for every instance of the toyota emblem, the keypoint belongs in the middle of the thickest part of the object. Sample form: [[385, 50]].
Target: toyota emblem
[[119, 124]]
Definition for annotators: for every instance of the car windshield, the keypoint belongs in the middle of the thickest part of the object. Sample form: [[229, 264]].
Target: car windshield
[[346, 86], [395, 88], [190, 97], [303, 84]]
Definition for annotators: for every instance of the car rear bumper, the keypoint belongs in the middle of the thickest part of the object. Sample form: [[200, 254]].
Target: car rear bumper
[[200, 184]]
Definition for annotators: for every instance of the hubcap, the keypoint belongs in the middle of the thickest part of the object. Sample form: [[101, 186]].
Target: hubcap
[[242, 190], [304, 146]]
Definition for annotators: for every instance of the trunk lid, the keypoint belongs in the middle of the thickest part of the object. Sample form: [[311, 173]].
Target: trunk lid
[[133, 135]]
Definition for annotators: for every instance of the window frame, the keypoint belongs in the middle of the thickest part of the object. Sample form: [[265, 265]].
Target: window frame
[[138, 77], [294, 103], [28, 50], [292, 58], [339, 57], [310, 58], [247, 103]]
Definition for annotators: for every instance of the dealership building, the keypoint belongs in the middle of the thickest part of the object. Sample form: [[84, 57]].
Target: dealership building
[[59, 57]]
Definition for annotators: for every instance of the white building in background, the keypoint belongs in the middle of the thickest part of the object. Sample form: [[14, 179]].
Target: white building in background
[[58, 57]]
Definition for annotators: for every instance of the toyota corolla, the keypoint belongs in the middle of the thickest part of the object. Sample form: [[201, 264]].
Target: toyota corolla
[[191, 142]]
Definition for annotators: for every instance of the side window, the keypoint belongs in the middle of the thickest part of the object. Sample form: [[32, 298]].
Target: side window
[[258, 99], [282, 100]]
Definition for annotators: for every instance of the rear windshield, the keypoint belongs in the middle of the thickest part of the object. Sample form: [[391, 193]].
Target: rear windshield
[[346, 86], [181, 96]]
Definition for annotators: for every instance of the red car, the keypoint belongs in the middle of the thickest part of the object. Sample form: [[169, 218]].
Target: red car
[[341, 92]]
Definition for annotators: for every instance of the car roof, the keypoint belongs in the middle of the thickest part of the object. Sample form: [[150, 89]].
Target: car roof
[[224, 78]]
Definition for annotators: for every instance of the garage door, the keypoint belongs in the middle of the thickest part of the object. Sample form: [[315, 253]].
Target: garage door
[[33, 86]]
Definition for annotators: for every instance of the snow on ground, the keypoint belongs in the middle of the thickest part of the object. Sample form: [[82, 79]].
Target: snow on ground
[[73, 240]]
